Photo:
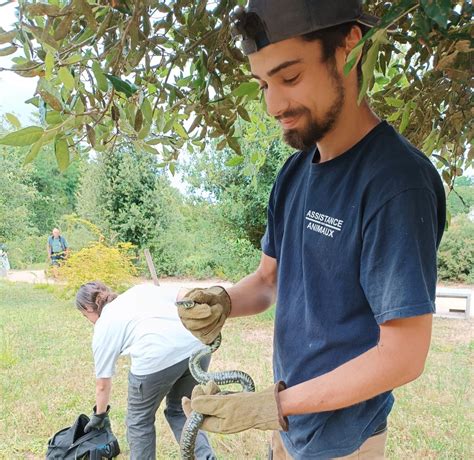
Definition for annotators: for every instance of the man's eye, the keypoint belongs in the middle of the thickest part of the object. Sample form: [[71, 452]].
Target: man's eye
[[290, 80], [263, 87]]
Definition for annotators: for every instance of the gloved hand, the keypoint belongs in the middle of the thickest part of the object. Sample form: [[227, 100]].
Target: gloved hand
[[206, 318], [98, 421], [235, 412]]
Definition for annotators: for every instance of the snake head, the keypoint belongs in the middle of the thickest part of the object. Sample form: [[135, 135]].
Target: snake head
[[185, 303]]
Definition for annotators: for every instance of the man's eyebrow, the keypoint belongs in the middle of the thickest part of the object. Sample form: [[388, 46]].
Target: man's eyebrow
[[279, 67]]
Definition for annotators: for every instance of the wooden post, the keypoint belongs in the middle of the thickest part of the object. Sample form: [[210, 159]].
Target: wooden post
[[151, 267]]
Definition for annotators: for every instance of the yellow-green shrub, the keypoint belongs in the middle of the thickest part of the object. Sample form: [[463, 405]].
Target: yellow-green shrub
[[98, 262]]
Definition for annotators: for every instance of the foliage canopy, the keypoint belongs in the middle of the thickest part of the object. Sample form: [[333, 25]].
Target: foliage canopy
[[165, 75]]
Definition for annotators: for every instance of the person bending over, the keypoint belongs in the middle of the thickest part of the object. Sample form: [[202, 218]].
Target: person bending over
[[143, 323]]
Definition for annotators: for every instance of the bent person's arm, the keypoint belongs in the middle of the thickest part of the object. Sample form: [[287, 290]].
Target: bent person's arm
[[103, 389], [257, 291], [397, 359]]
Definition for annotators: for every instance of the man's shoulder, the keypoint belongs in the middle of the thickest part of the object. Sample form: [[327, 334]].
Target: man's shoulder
[[391, 156]]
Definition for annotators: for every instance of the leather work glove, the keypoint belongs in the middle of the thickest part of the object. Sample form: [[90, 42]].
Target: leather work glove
[[206, 318], [235, 412], [98, 421]]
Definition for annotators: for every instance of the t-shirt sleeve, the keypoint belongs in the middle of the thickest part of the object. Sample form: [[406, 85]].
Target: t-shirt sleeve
[[106, 348], [66, 245], [268, 239], [398, 262]]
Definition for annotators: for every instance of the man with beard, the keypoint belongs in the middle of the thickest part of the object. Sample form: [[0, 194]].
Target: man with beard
[[354, 221]]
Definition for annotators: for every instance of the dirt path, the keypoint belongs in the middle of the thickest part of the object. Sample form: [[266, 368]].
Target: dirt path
[[39, 276], [29, 276]]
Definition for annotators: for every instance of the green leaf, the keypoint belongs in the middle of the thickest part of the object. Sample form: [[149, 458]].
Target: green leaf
[[66, 78], [157, 140], [243, 113], [368, 68], [234, 145], [351, 60], [447, 176], [394, 116], [235, 160], [13, 120], [138, 122], [74, 59], [100, 78], [8, 50], [248, 88], [405, 119], [180, 131], [122, 86], [61, 151], [48, 65], [144, 131], [7, 36], [34, 101], [91, 135], [33, 153], [147, 111], [438, 10], [394, 102], [150, 149], [25, 136], [172, 167], [221, 144], [50, 95], [53, 118], [442, 160]]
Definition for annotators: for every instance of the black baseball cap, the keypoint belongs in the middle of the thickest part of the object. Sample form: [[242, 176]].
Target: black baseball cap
[[283, 19]]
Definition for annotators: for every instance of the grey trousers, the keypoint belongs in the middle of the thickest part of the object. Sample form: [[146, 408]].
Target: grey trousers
[[145, 393]]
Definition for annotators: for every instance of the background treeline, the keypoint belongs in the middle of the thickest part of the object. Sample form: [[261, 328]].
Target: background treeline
[[211, 228]]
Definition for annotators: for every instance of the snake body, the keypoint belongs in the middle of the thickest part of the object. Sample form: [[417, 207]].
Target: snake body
[[195, 420]]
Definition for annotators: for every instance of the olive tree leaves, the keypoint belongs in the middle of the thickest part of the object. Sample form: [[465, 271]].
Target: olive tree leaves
[[166, 76], [420, 76], [158, 74]]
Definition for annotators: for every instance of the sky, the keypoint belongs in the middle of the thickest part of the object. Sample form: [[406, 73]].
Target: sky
[[14, 90]]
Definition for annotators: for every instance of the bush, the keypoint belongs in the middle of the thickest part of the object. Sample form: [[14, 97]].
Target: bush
[[456, 254], [237, 258], [110, 264], [26, 251], [78, 232]]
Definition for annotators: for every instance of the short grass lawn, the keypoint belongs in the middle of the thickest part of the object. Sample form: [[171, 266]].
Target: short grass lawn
[[46, 380]]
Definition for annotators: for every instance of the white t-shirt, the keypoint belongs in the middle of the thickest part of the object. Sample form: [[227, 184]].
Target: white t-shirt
[[142, 322]]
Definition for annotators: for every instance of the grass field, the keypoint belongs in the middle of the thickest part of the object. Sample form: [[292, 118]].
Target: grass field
[[46, 380]]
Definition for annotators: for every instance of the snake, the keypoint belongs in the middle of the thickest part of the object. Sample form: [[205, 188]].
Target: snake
[[195, 420]]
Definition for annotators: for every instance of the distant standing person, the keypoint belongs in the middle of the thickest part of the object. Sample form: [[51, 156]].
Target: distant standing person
[[57, 247], [4, 263]]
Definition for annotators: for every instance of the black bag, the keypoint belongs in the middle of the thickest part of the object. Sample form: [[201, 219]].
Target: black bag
[[72, 443]]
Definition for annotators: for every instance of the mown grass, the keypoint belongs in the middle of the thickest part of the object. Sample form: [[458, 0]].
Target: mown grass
[[46, 380]]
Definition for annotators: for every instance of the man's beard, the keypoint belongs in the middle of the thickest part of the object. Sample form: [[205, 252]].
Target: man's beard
[[306, 137]]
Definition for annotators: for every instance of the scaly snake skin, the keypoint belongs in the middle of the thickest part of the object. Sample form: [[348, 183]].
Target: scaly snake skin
[[194, 421]]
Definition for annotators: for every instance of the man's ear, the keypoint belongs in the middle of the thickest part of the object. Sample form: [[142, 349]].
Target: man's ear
[[352, 38]]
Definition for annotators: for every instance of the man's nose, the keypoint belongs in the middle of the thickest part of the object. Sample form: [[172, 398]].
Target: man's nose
[[276, 101]]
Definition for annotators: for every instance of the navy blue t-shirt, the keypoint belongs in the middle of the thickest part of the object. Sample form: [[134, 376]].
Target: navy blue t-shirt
[[355, 240]]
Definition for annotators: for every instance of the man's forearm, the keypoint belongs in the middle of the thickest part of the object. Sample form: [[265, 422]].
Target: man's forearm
[[251, 295], [392, 363], [102, 394]]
